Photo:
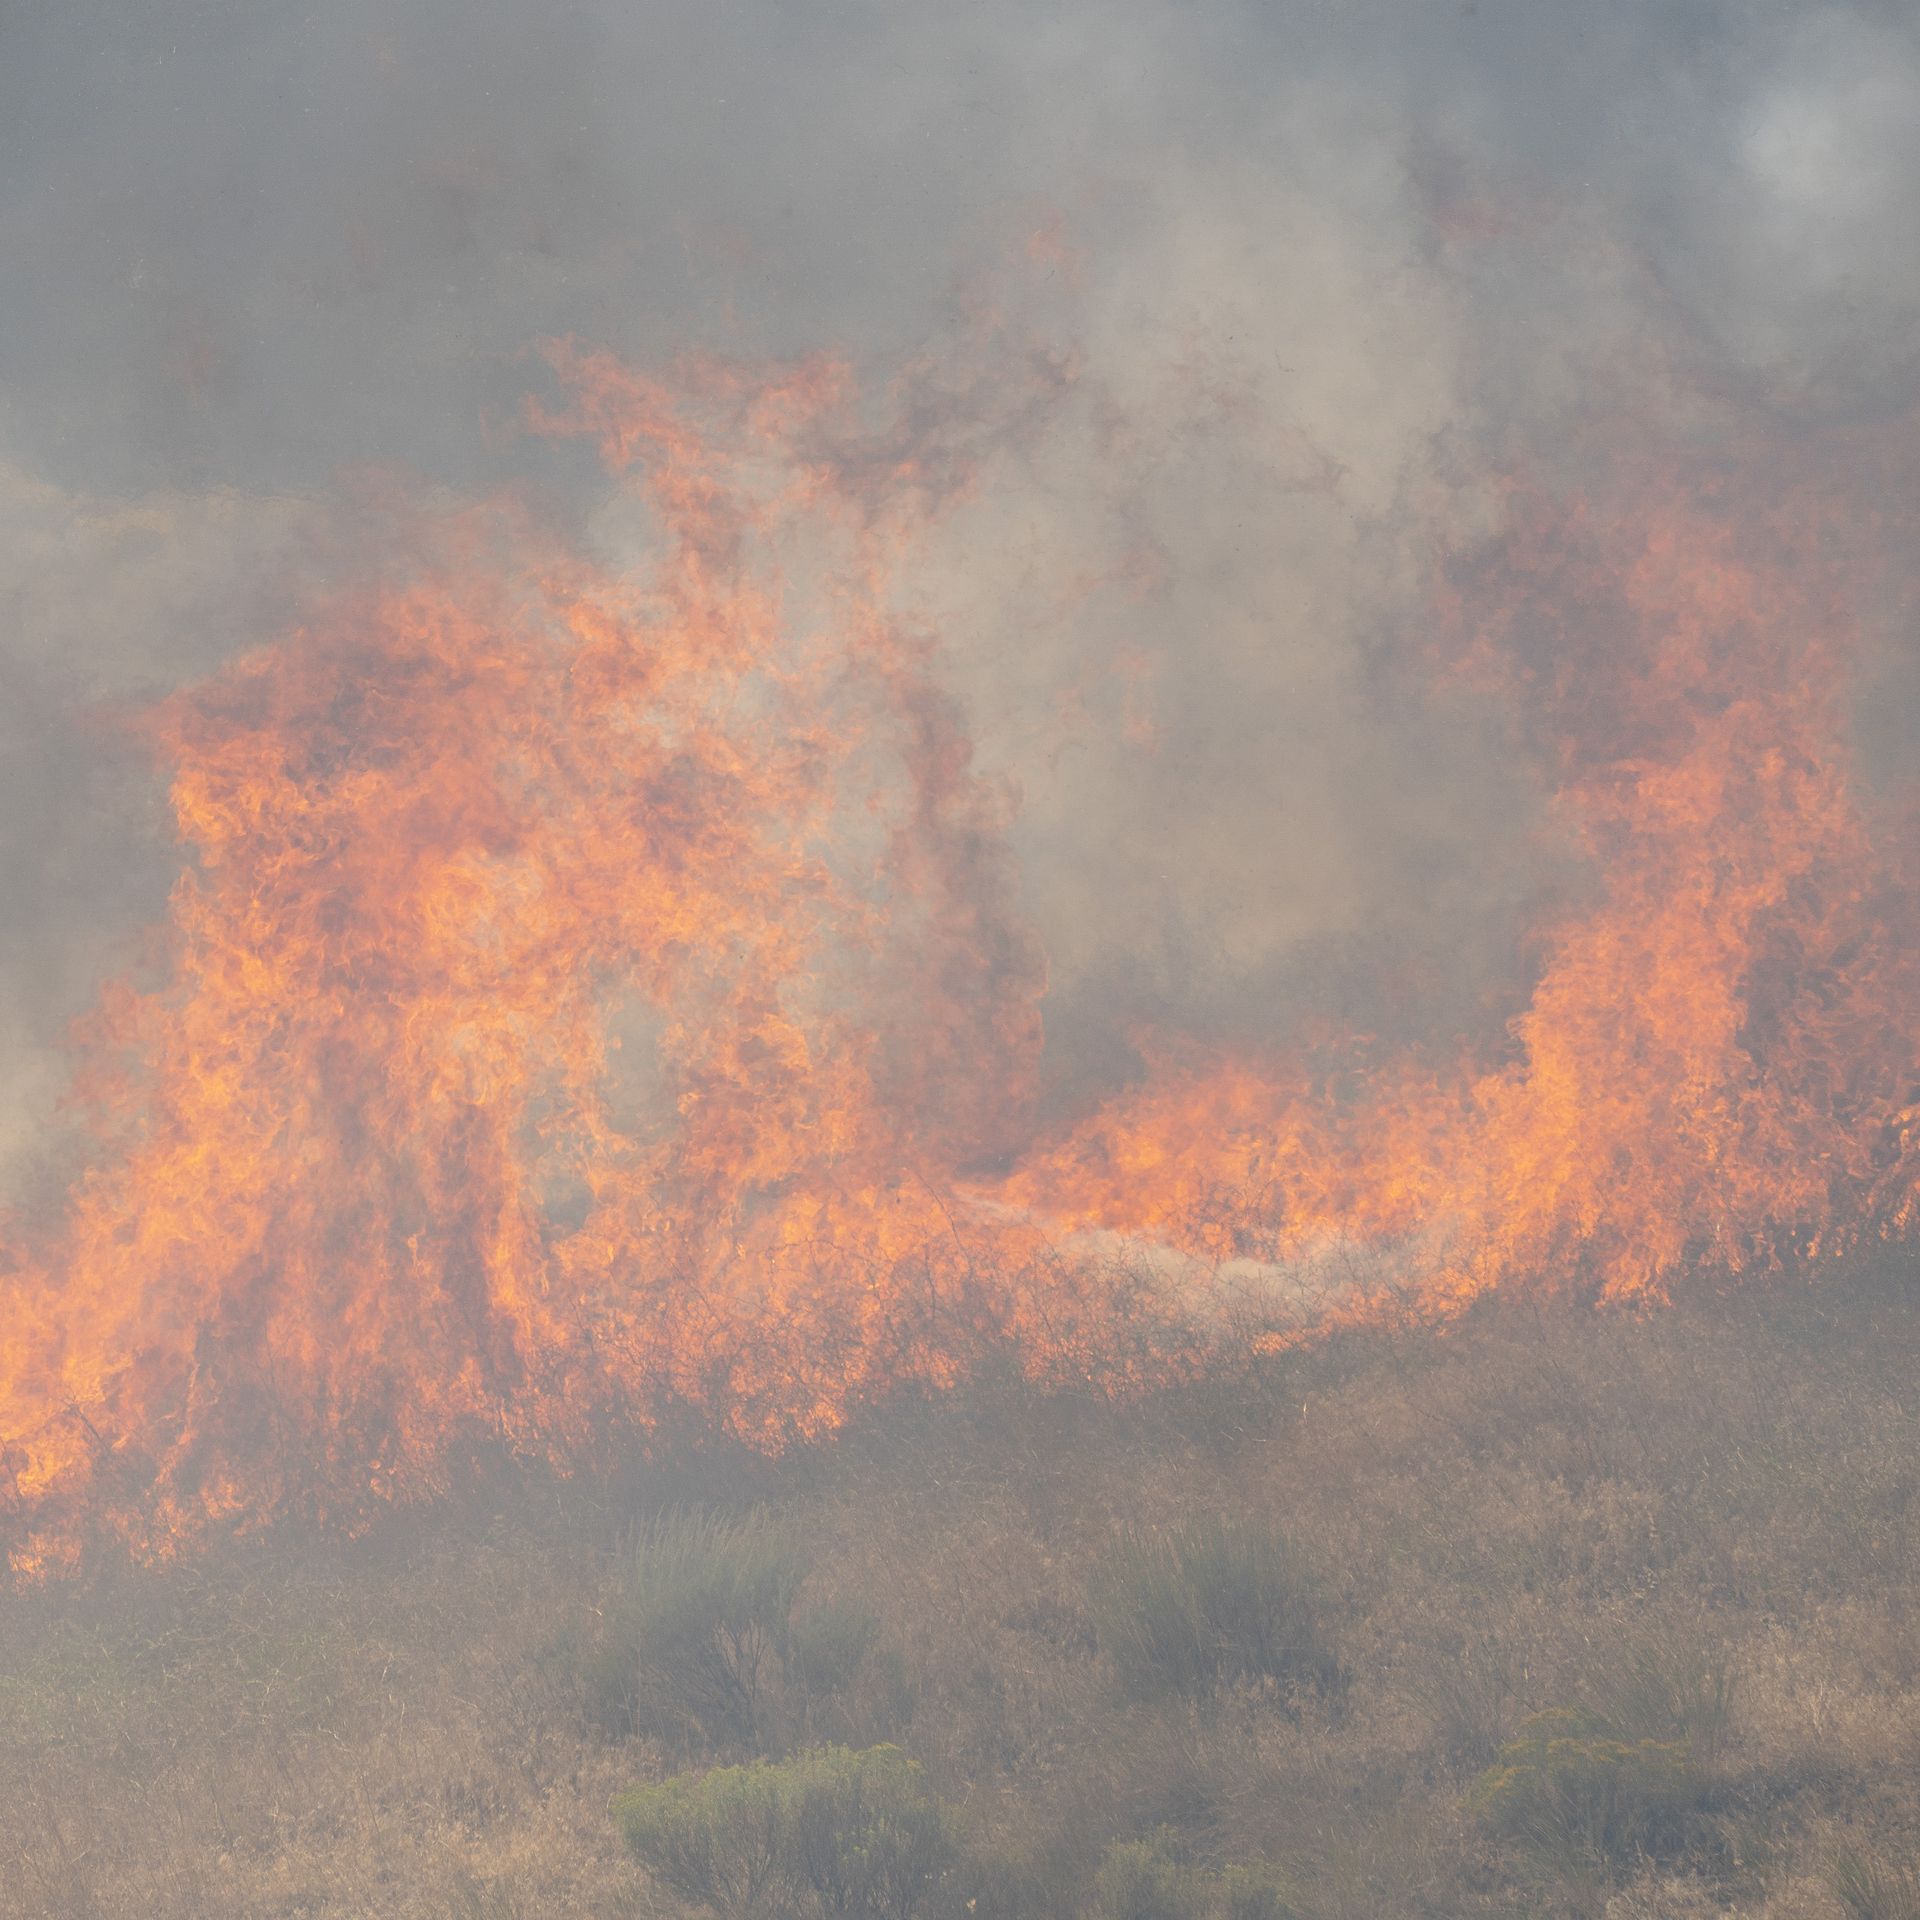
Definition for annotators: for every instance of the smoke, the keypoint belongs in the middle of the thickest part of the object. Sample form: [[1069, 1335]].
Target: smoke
[[1314, 271]]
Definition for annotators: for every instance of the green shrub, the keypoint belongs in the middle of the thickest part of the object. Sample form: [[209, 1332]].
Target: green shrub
[[715, 1838], [1206, 1605], [829, 1832], [866, 1836], [1576, 1793]]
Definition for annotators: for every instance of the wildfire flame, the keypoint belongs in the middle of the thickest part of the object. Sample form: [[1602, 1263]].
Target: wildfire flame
[[596, 993]]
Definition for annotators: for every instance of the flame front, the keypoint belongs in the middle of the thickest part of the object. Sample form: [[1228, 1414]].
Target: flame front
[[1717, 1064], [590, 996]]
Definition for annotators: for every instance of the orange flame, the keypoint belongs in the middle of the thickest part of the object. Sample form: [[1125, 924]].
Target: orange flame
[[593, 995], [1719, 1060]]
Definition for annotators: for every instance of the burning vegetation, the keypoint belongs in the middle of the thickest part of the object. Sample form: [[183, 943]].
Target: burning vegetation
[[598, 993]]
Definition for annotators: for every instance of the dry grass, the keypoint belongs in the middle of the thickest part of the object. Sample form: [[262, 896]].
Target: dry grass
[[1699, 1527]]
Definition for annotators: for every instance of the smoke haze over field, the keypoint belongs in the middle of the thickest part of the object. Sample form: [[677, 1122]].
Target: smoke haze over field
[[1312, 268]]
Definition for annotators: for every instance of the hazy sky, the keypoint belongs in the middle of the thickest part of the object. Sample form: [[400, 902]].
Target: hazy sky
[[1310, 254]]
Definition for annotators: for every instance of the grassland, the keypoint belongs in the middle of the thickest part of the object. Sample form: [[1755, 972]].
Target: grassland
[[1561, 1613]]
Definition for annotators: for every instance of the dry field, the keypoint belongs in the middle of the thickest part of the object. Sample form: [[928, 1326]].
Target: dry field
[[1562, 1613]]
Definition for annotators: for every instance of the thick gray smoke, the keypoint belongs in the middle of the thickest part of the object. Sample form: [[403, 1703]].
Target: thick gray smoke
[[255, 250]]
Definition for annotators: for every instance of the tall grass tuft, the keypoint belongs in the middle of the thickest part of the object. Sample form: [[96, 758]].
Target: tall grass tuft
[[1210, 1604], [1575, 1795], [692, 1637], [1876, 1890]]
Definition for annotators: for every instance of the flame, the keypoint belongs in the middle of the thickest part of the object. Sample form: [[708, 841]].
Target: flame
[[595, 993], [1718, 1062]]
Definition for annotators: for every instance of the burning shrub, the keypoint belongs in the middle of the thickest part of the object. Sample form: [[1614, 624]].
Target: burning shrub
[[1577, 1793], [1210, 1604], [830, 1831]]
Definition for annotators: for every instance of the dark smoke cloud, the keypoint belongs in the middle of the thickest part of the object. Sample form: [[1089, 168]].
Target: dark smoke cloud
[[1317, 261]]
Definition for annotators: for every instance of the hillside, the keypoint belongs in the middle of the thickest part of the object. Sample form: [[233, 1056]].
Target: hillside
[[1560, 1613]]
